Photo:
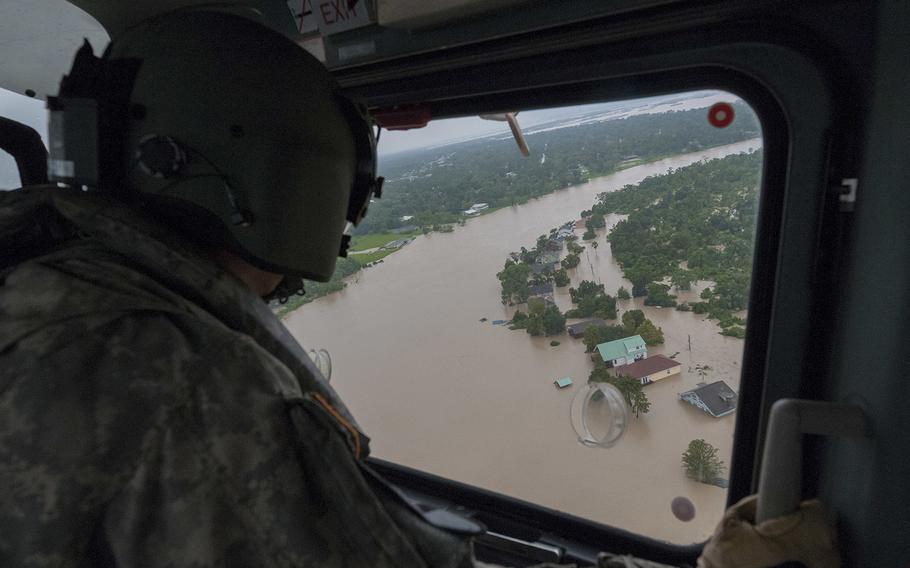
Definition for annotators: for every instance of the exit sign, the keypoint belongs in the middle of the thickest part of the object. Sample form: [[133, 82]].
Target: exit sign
[[330, 16], [334, 16]]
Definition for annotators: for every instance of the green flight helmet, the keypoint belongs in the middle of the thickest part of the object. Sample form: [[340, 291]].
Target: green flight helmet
[[241, 135]]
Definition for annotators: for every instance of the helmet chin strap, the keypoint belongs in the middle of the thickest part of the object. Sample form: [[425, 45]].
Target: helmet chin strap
[[288, 286]]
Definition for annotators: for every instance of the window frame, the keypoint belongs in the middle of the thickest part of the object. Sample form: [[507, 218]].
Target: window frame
[[791, 88]]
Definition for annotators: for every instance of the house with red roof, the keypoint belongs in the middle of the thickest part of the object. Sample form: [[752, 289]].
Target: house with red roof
[[650, 369]]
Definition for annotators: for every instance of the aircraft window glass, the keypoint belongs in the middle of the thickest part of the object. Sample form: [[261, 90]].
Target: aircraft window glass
[[486, 289], [27, 111], [9, 174]]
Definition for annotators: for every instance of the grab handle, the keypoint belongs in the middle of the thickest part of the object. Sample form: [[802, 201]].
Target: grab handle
[[781, 468]]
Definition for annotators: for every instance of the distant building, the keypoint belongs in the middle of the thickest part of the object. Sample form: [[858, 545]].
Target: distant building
[[540, 290], [563, 382], [405, 218], [623, 351], [717, 399], [548, 257], [565, 232], [553, 245], [480, 206], [538, 267], [578, 329], [653, 368]]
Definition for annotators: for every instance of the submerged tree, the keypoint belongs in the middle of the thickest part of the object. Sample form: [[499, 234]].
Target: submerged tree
[[571, 260], [597, 334], [631, 389], [701, 462], [514, 280]]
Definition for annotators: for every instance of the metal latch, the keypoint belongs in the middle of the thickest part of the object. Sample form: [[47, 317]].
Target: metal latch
[[847, 193]]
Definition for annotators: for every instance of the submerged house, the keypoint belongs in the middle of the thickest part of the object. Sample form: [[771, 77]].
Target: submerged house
[[565, 232], [563, 382], [538, 267], [553, 245], [653, 368], [540, 290], [577, 330], [623, 351], [717, 399]]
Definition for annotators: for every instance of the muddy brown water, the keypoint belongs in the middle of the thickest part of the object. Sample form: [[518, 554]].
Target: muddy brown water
[[438, 390]]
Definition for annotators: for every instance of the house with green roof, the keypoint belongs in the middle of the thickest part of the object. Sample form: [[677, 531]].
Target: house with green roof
[[623, 351]]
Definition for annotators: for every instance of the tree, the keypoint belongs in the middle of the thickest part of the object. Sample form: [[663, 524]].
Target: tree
[[535, 326], [630, 388], [701, 462], [561, 278], [658, 295], [514, 280], [633, 391], [589, 235], [536, 306], [682, 279], [595, 222], [597, 334], [622, 293], [574, 247], [571, 261], [553, 321], [651, 334], [519, 318], [632, 319]]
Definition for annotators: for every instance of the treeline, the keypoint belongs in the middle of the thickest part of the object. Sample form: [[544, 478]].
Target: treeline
[[695, 223], [434, 186]]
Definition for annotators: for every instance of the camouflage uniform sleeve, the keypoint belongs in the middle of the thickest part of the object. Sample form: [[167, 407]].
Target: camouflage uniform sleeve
[[171, 440], [81, 401], [219, 481]]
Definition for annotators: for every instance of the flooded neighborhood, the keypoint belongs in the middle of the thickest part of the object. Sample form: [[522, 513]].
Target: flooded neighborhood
[[439, 387]]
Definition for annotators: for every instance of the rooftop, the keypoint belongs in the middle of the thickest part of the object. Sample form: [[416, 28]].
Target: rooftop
[[580, 327], [717, 398], [649, 366], [539, 267], [540, 289], [620, 347]]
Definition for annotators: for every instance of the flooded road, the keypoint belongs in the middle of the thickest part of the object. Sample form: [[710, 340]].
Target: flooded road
[[438, 390]]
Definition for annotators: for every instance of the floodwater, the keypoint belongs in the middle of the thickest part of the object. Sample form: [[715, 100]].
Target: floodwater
[[438, 390]]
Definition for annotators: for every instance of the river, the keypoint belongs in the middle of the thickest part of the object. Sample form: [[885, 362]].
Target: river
[[439, 390]]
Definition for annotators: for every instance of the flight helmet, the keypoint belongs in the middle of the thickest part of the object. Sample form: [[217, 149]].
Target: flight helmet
[[234, 133]]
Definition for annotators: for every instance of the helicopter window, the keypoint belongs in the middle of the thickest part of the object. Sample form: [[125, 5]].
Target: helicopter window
[[493, 305]]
